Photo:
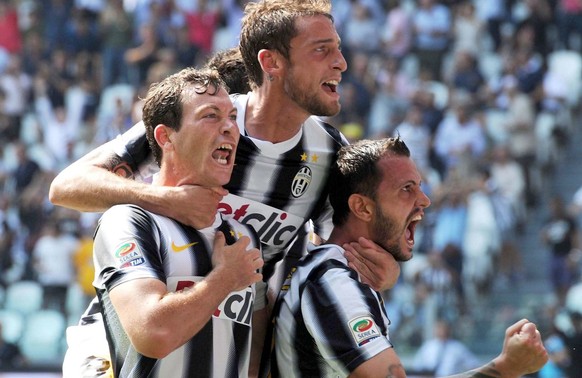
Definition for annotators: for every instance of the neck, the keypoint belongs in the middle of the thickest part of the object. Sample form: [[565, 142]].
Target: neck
[[172, 174], [272, 116], [348, 233]]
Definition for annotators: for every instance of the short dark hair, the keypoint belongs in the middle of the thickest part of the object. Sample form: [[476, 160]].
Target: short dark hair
[[356, 171], [164, 101], [231, 68]]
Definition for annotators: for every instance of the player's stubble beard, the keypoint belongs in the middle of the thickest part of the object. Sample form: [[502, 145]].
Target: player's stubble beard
[[384, 229], [309, 100]]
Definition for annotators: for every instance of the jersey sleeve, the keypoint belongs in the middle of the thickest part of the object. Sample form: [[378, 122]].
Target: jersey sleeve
[[126, 247], [345, 318], [133, 148]]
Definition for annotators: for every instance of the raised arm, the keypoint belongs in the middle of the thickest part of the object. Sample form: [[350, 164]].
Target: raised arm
[[523, 353], [102, 179]]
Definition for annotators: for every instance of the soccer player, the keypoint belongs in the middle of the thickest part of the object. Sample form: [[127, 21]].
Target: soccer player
[[327, 322], [179, 301]]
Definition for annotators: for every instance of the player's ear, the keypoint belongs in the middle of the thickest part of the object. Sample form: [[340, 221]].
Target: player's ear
[[269, 61], [361, 206], [162, 134]]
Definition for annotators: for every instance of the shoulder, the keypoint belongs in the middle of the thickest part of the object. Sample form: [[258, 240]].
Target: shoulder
[[124, 210], [318, 125], [125, 216], [327, 260]]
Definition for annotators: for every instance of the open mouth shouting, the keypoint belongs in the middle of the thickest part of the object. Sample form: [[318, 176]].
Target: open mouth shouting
[[224, 154], [410, 229], [331, 86]]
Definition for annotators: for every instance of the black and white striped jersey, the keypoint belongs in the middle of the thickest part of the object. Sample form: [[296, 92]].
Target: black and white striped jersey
[[131, 243], [275, 188], [327, 322]]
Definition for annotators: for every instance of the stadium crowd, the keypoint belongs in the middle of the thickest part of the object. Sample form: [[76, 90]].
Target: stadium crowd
[[477, 90]]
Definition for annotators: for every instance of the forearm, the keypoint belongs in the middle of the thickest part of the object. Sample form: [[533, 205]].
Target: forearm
[[493, 369], [167, 320], [96, 190], [98, 181]]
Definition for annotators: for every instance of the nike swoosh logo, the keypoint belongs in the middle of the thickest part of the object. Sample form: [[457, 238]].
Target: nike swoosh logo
[[181, 248]]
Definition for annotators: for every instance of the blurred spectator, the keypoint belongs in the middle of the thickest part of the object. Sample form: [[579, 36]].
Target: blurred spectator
[[33, 54], [25, 170], [202, 25], [227, 34], [391, 98], [186, 52], [460, 139], [442, 283], [140, 57], [443, 355], [431, 114], [83, 265], [432, 26], [58, 76], [468, 29], [58, 130], [569, 22], [466, 77], [554, 98], [10, 36], [560, 234], [91, 8], [361, 30], [529, 68], [539, 21], [81, 35], [116, 121], [353, 114], [56, 15], [167, 18], [396, 37], [450, 221], [509, 179], [495, 14], [32, 211], [417, 136], [53, 263], [520, 125], [116, 27], [356, 90], [165, 65], [481, 241], [507, 186], [16, 86]]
